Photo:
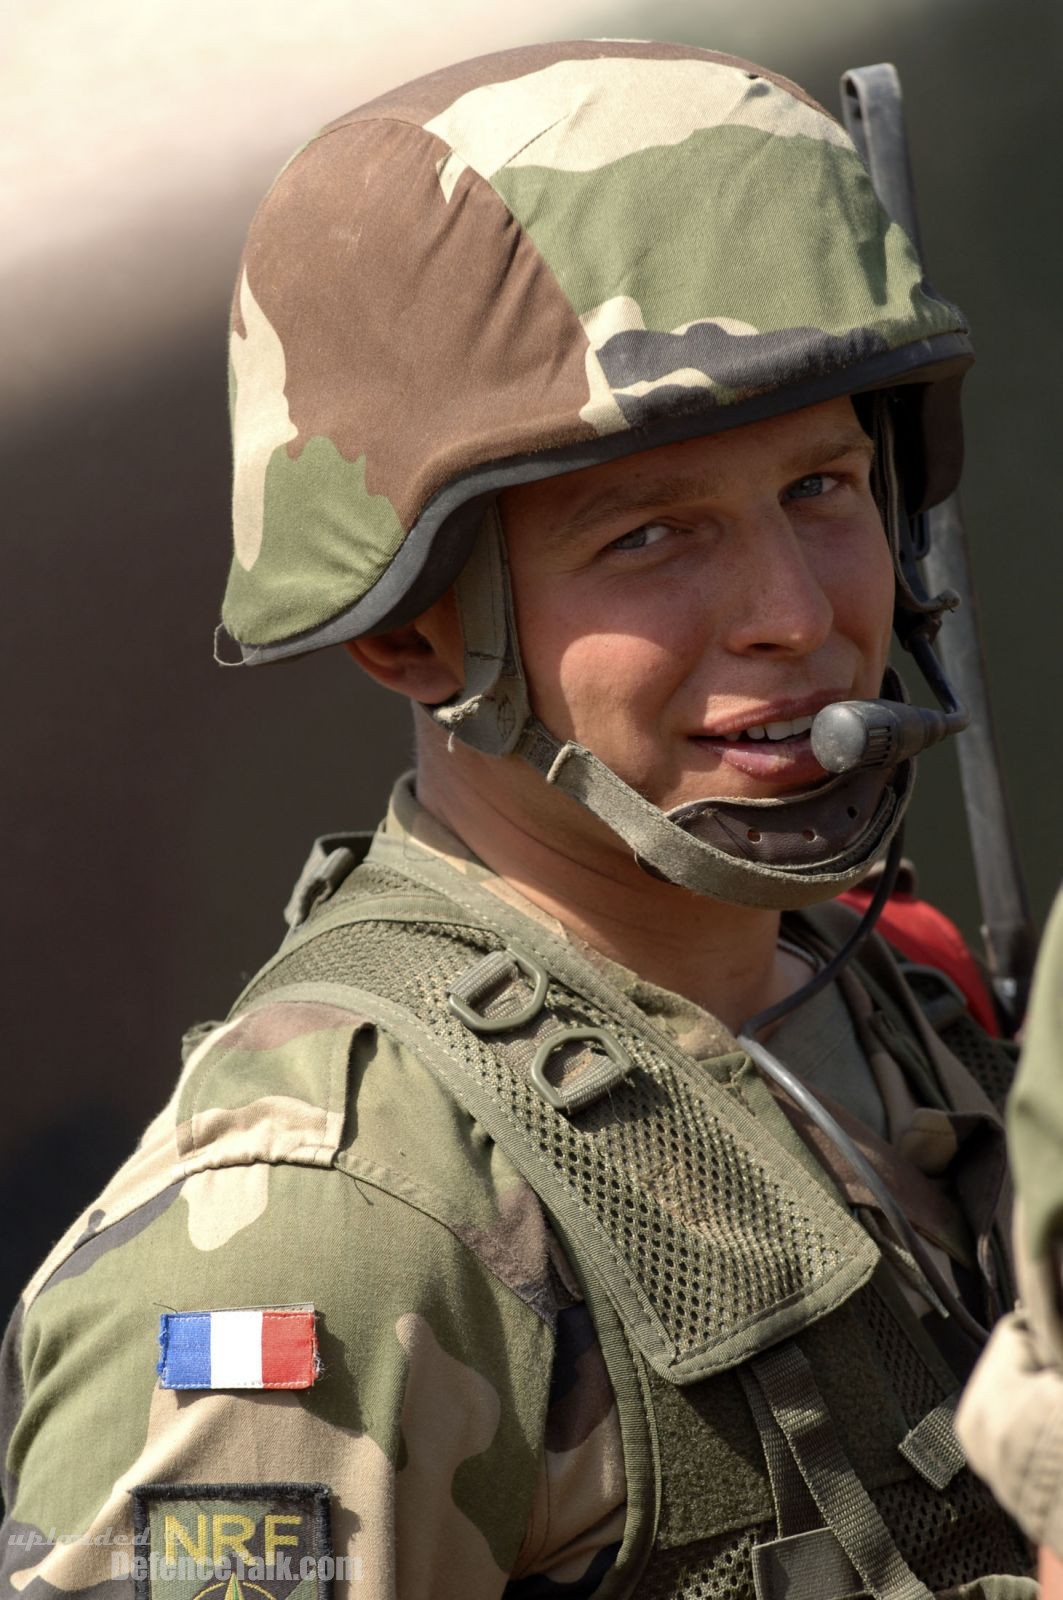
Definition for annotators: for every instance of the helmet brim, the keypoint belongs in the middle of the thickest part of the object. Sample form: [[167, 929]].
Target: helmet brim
[[928, 373]]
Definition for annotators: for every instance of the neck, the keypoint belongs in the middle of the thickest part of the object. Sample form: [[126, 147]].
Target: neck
[[723, 957]]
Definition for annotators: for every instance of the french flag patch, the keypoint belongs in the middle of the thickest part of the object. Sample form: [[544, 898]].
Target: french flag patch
[[259, 1348]]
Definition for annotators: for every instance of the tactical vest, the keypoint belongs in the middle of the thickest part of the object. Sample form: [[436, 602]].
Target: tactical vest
[[786, 1420]]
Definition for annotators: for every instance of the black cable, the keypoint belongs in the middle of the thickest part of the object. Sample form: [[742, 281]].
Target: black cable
[[828, 973]]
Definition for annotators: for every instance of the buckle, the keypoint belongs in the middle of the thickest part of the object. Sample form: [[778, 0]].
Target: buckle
[[330, 861]]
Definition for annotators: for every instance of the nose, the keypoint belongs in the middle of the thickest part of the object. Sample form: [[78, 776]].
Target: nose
[[779, 605]]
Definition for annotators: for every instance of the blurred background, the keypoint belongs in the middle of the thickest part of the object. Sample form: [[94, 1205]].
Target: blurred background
[[157, 808]]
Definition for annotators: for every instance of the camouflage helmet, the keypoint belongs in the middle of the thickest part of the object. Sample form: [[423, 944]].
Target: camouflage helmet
[[532, 263]]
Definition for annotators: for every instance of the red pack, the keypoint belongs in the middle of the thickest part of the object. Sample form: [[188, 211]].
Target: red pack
[[922, 933]]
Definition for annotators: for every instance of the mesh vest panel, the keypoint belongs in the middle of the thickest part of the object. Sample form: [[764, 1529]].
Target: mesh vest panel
[[716, 1500]]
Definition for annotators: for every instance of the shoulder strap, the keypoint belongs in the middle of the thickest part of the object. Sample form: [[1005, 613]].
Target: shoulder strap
[[800, 1413], [710, 1239]]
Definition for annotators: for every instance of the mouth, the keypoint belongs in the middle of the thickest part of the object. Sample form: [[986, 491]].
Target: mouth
[[773, 742], [774, 731]]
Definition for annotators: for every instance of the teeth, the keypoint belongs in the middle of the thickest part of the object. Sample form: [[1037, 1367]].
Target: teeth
[[772, 730], [787, 730]]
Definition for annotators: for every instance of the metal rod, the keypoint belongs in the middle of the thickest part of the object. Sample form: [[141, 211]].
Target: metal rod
[[873, 111]]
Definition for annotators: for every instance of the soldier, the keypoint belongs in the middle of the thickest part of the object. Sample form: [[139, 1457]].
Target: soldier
[[495, 1243], [1011, 1421]]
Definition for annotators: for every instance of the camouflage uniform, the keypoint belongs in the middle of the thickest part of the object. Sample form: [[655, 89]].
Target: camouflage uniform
[[463, 1421], [1011, 1421], [512, 269]]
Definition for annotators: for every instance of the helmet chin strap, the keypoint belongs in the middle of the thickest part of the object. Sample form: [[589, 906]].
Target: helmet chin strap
[[775, 854], [735, 851]]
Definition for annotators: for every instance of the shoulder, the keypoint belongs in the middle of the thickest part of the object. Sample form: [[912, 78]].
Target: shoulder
[[305, 1160], [309, 1101]]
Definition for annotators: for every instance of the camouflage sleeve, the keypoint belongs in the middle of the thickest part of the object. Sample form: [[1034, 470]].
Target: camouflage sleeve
[[1010, 1420], [578, 1513], [413, 1461], [1010, 1424]]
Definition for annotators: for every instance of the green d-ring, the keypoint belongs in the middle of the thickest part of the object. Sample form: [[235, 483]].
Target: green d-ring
[[478, 1023], [600, 1036]]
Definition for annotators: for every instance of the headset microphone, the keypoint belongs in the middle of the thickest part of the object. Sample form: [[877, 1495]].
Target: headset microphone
[[878, 733]]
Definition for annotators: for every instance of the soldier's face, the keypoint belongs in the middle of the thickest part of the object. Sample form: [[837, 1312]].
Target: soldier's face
[[685, 612]]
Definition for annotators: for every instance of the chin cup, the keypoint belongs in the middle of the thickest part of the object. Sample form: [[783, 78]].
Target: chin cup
[[854, 734]]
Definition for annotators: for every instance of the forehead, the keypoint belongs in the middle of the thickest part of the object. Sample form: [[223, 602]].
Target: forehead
[[692, 469]]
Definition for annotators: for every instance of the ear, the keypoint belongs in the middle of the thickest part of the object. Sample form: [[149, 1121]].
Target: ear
[[406, 661]]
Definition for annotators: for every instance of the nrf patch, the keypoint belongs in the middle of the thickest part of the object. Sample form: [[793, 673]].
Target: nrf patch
[[233, 1541]]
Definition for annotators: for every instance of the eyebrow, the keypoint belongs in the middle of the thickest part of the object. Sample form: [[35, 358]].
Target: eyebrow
[[681, 488]]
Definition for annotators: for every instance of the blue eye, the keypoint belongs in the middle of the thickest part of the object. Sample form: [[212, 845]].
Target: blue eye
[[811, 487], [640, 538]]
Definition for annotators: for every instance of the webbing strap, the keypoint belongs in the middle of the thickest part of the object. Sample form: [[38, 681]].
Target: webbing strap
[[676, 854], [332, 859], [598, 1073], [490, 710], [807, 1566], [790, 1390], [795, 1510], [932, 1447]]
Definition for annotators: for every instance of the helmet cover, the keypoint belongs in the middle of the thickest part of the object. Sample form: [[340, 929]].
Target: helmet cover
[[530, 263]]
